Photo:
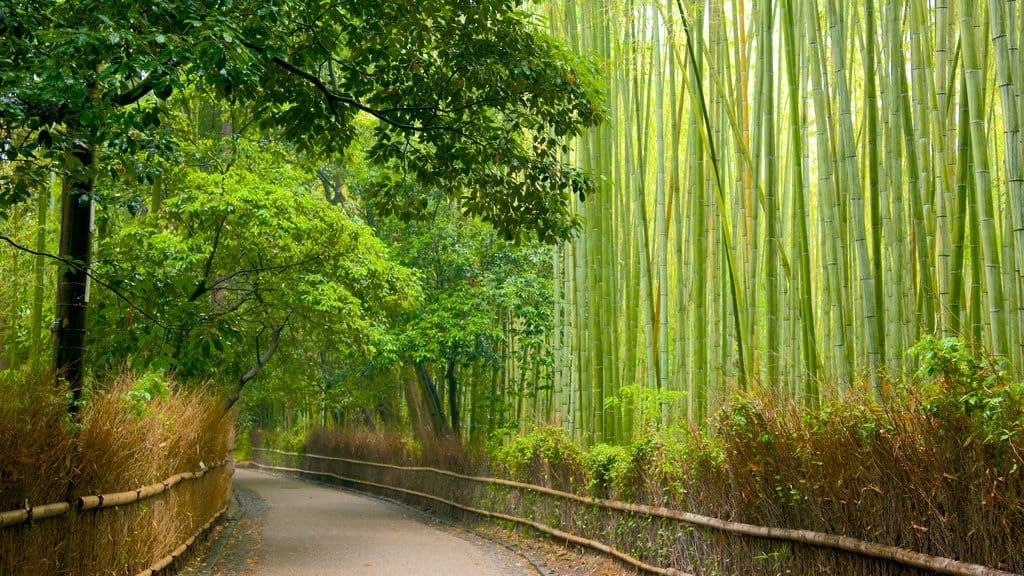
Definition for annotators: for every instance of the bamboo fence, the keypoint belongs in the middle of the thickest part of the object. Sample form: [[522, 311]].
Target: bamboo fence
[[30, 514], [898, 555]]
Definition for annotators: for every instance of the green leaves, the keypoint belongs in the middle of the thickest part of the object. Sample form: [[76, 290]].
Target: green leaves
[[150, 388], [239, 251], [973, 392], [472, 99], [479, 291]]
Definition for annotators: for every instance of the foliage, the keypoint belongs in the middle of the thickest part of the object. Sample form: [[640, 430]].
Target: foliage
[[471, 279], [235, 255], [603, 462], [970, 390], [546, 455], [242, 450], [25, 297], [291, 439], [648, 405], [470, 95], [485, 306], [473, 100], [150, 388]]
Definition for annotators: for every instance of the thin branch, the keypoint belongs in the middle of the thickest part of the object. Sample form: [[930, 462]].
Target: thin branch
[[247, 271], [137, 92], [81, 268], [260, 363], [201, 286], [333, 98], [333, 193]]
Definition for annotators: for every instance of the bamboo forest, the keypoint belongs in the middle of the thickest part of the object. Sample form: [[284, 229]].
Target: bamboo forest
[[761, 261], [792, 195]]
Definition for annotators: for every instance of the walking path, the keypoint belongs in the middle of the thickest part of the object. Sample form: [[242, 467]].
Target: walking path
[[313, 530]]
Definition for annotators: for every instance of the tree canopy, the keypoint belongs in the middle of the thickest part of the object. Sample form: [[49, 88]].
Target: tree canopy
[[469, 96]]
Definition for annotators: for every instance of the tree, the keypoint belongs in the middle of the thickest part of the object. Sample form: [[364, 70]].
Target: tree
[[469, 97], [245, 256]]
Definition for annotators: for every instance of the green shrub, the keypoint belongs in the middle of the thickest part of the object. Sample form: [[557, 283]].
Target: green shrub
[[150, 388], [242, 449], [972, 396], [546, 456], [603, 464]]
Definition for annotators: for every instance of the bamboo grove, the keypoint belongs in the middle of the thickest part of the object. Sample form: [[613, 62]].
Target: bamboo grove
[[791, 194]]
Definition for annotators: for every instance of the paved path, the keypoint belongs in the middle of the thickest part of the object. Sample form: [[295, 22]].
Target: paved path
[[312, 530]]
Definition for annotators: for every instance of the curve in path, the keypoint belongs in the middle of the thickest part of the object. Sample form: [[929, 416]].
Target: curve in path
[[315, 530]]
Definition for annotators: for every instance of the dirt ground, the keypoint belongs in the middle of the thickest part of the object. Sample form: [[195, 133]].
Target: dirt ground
[[234, 546], [554, 558]]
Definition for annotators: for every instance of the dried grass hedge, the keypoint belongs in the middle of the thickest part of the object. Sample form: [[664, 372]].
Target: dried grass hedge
[[120, 443]]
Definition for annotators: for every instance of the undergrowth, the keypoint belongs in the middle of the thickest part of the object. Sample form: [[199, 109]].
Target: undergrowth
[[131, 432]]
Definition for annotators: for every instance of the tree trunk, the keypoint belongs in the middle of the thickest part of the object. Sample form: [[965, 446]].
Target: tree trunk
[[438, 424], [453, 395], [73, 283]]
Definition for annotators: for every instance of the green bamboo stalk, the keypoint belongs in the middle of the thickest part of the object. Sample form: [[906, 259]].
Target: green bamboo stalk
[[841, 354], [9, 350], [1013, 150], [681, 281], [938, 118], [960, 208], [698, 266], [629, 254], [39, 279], [642, 106], [919, 187], [982, 175], [735, 289], [606, 167], [558, 335], [765, 83], [801, 245], [661, 214], [873, 326]]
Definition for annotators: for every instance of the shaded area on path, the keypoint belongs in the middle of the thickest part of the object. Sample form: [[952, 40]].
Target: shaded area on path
[[315, 530]]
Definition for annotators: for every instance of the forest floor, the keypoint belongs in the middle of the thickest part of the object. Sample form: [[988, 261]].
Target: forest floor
[[277, 525]]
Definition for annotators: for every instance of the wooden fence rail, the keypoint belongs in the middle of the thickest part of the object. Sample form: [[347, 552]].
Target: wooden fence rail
[[180, 550], [845, 543], [33, 513]]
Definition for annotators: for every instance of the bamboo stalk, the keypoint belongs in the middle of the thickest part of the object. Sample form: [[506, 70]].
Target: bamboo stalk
[[1008, 78], [982, 178]]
